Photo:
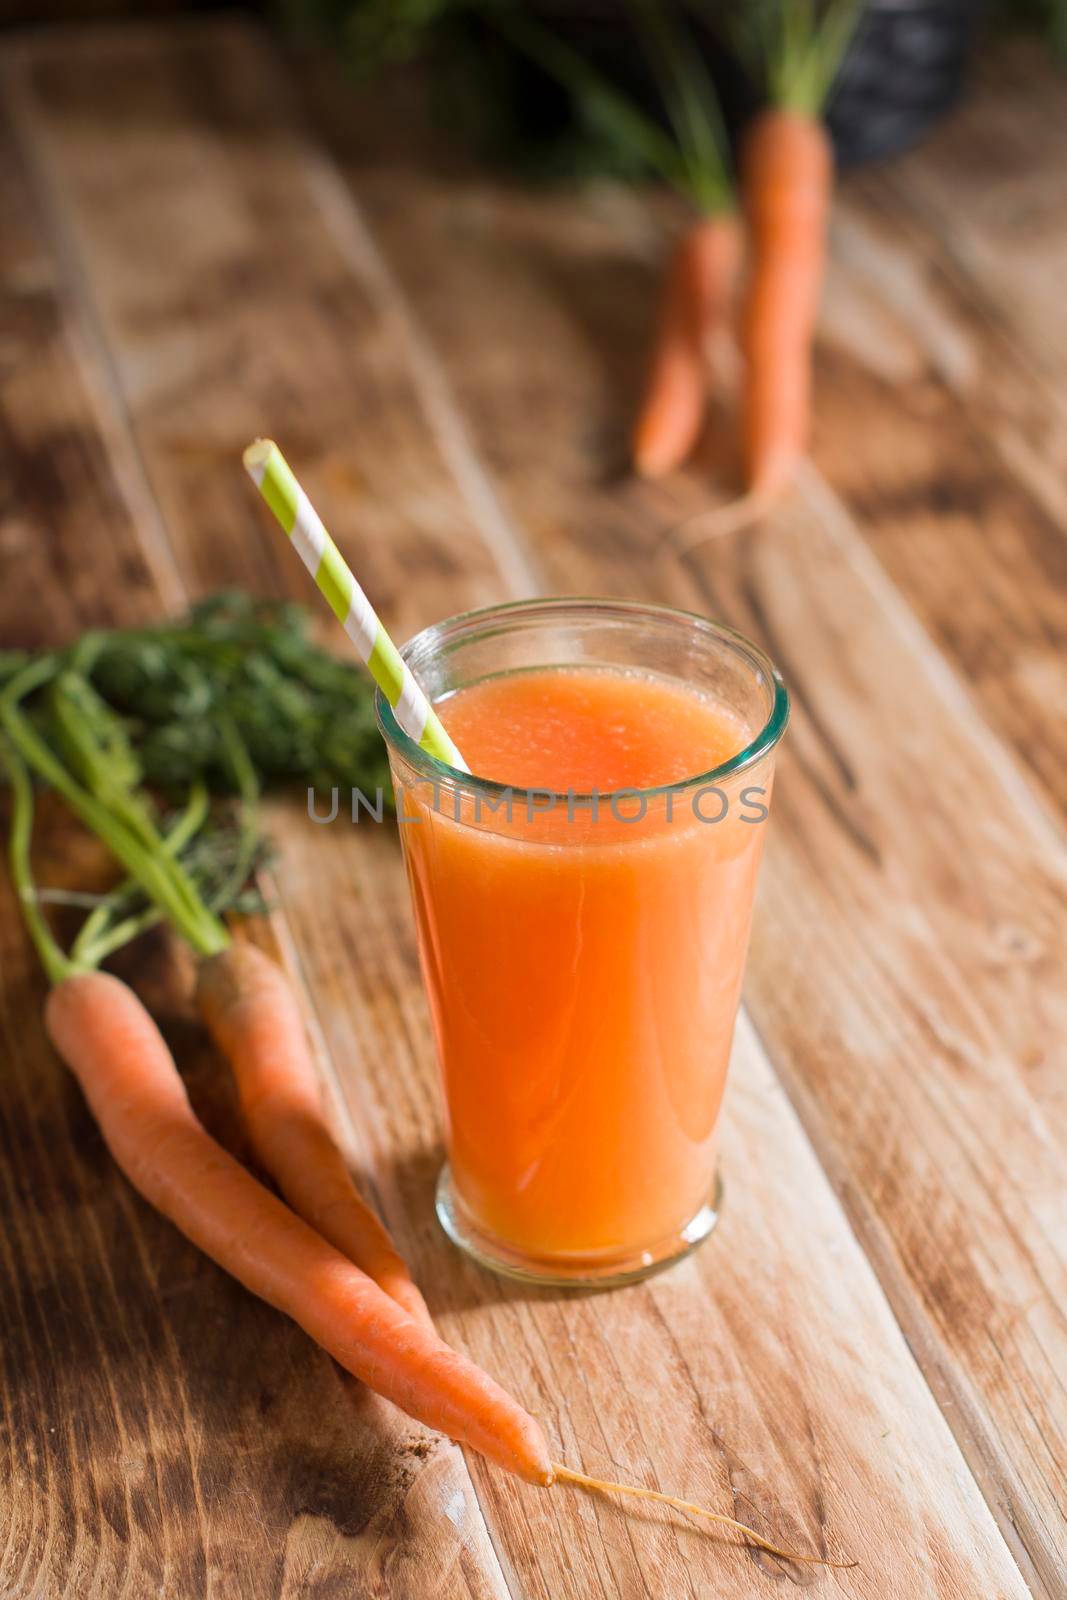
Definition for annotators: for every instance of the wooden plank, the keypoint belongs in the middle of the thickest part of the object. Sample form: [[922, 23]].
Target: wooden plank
[[989, 184], [364, 444], [961, 488], [163, 1431], [907, 968], [719, 1399], [766, 1372], [939, 314]]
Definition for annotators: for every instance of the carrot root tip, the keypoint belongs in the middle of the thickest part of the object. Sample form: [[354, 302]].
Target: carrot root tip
[[562, 1474]]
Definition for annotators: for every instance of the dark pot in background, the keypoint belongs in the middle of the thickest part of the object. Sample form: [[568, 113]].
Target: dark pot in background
[[904, 70]]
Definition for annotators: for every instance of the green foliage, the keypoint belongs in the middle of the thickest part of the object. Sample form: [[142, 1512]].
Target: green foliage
[[691, 155], [795, 47], [303, 716], [106, 802], [54, 961], [230, 698], [544, 95], [692, 105], [1047, 17], [374, 32]]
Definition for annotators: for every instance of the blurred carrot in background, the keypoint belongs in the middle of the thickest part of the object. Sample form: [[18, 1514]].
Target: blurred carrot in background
[[697, 294], [701, 276], [794, 48], [691, 154], [786, 184]]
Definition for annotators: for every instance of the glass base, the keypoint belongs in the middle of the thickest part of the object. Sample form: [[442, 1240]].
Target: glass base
[[600, 1271]]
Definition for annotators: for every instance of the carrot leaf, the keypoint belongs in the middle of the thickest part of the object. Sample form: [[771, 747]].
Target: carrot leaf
[[692, 105], [691, 161]]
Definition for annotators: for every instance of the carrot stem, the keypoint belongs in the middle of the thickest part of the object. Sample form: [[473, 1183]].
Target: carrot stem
[[692, 106], [98, 937], [56, 964], [244, 776], [704, 183], [803, 62], [163, 880]]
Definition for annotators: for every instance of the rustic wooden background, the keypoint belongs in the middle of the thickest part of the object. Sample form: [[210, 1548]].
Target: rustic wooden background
[[200, 242]]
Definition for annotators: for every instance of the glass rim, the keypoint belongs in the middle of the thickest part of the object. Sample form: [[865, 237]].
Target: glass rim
[[449, 628]]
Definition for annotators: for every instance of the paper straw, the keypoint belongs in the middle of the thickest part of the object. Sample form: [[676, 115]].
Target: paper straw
[[270, 473]]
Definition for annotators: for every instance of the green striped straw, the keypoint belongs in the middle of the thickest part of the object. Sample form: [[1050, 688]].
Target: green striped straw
[[270, 473]]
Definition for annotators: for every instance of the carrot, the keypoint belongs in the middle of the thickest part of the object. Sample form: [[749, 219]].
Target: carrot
[[697, 292], [786, 177], [251, 1011], [786, 183], [128, 1076]]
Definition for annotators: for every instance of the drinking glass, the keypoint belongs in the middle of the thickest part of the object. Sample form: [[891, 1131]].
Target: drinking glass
[[583, 954]]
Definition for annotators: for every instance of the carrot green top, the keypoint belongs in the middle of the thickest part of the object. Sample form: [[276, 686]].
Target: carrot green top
[[802, 45], [98, 778], [692, 155]]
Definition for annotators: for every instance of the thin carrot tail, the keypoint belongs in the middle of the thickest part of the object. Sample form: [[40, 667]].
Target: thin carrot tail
[[253, 1016], [698, 289], [561, 1474], [716, 523]]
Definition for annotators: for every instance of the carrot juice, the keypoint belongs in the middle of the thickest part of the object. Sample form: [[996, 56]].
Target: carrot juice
[[582, 906]]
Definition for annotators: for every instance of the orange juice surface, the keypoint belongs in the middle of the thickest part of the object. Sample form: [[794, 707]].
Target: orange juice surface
[[584, 963]]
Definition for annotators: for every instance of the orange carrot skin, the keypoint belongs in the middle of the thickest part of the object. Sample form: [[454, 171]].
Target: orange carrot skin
[[251, 1011], [786, 178], [697, 294], [131, 1083]]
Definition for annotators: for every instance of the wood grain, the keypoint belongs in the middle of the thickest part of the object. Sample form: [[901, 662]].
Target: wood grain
[[907, 969], [990, 186], [961, 490], [163, 1431], [277, 308], [768, 1373], [856, 1444]]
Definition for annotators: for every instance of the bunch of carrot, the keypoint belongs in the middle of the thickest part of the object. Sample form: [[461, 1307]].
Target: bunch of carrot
[[786, 175], [328, 1261], [320, 1254]]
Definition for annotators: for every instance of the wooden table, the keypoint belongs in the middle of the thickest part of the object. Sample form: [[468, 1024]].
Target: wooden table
[[200, 243]]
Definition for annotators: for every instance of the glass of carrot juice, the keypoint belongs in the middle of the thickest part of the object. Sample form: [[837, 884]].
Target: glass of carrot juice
[[582, 905]]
